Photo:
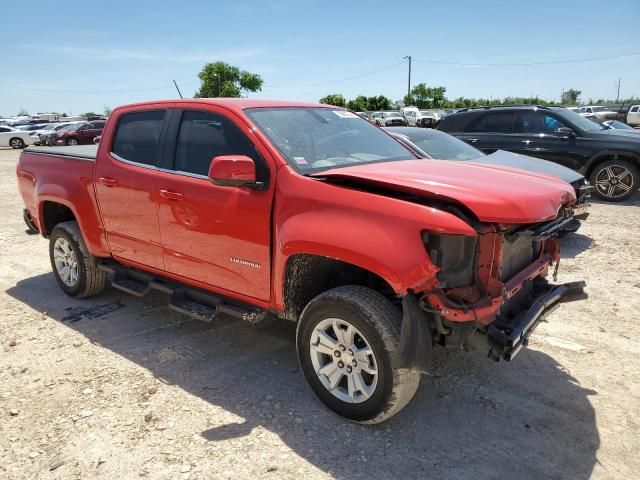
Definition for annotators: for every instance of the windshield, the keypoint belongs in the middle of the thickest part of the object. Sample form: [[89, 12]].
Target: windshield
[[392, 114], [579, 121], [442, 146], [599, 109], [316, 139]]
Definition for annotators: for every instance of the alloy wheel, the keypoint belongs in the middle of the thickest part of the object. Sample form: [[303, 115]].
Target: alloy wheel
[[343, 360], [614, 181], [66, 262]]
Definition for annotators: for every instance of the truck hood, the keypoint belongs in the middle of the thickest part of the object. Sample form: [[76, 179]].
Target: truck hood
[[493, 193]]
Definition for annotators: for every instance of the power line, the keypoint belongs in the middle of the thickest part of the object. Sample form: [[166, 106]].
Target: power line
[[337, 81], [51, 90], [524, 64]]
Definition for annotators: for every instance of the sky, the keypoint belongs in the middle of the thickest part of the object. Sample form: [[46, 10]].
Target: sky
[[82, 56]]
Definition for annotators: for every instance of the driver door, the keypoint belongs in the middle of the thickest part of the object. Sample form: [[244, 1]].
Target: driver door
[[216, 235]]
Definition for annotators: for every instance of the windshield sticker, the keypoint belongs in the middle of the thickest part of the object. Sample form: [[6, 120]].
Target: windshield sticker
[[300, 161], [345, 114]]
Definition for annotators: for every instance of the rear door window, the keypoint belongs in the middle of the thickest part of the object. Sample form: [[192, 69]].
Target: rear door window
[[499, 122], [137, 136]]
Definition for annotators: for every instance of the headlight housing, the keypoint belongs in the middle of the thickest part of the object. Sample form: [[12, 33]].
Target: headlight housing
[[455, 255]]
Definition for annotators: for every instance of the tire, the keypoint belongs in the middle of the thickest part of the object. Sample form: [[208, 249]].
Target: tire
[[71, 142], [615, 180], [16, 143], [376, 323], [89, 280]]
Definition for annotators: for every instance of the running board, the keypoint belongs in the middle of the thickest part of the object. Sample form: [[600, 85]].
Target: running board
[[193, 302]]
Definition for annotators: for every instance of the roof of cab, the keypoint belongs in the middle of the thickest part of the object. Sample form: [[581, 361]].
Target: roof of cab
[[231, 103]]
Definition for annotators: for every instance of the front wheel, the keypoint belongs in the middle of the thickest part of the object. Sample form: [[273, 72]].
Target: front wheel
[[75, 269], [16, 143], [346, 339], [615, 180]]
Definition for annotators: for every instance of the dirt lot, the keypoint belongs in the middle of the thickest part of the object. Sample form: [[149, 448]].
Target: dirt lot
[[118, 387]]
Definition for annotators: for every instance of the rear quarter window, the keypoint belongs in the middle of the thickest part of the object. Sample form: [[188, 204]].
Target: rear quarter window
[[137, 136]]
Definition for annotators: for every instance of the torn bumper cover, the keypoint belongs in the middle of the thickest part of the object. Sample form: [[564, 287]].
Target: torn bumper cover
[[507, 336]]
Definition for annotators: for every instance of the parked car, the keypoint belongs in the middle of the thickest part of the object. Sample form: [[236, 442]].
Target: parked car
[[44, 134], [387, 119], [14, 138], [309, 213], [601, 113], [633, 116], [609, 158], [437, 145], [421, 118], [77, 134]]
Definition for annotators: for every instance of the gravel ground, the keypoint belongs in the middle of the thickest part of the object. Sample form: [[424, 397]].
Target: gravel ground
[[120, 387]]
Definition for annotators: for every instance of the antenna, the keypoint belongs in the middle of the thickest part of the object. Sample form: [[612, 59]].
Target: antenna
[[618, 114], [179, 93]]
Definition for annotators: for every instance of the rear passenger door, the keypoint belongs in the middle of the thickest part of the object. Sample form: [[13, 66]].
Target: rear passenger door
[[126, 186], [490, 132], [218, 236]]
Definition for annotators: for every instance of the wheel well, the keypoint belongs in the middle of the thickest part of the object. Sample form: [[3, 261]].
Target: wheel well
[[54, 213], [635, 160], [307, 276]]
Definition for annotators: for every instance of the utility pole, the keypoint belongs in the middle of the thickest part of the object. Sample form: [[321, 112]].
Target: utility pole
[[409, 80], [618, 95]]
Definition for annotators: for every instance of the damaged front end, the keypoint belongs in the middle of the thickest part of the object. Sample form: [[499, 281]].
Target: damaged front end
[[492, 289]]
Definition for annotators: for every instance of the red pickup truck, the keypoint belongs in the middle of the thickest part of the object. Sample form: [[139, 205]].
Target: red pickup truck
[[312, 214]]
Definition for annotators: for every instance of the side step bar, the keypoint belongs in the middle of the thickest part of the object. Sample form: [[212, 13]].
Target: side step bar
[[193, 302]]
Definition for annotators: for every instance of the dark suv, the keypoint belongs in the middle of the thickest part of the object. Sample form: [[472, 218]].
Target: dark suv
[[609, 158]]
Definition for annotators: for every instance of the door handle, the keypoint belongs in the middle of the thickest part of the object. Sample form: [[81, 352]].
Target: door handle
[[171, 195], [526, 142], [472, 140], [108, 182]]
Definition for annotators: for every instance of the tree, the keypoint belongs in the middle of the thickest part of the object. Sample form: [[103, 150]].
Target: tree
[[358, 104], [89, 114], [336, 99], [426, 97], [220, 79], [570, 96], [107, 110], [378, 103], [23, 112]]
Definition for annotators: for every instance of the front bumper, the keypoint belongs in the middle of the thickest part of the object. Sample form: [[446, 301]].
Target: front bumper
[[507, 336]]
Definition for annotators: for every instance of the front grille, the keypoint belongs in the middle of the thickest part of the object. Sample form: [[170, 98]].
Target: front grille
[[517, 252]]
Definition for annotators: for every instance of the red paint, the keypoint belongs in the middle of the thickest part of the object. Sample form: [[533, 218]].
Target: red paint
[[236, 240]]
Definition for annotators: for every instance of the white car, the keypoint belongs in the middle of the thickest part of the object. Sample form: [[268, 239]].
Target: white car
[[14, 138], [420, 118], [633, 116], [602, 113]]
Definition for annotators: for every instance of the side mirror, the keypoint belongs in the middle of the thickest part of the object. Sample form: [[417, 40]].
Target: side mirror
[[234, 171], [565, 132]]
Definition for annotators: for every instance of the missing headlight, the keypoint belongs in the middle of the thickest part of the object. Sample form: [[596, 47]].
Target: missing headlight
[[454, 255]]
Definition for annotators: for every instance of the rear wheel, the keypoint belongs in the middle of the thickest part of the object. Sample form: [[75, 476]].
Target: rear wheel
[[345, 339], [16, 143], [72, 142], [615, 180], [75, 269]]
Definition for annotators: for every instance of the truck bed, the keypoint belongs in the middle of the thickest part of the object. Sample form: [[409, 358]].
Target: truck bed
[[81, 152]]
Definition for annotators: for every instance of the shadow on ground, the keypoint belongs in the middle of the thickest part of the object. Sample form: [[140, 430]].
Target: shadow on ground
[[473, 419], [573, 244]]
